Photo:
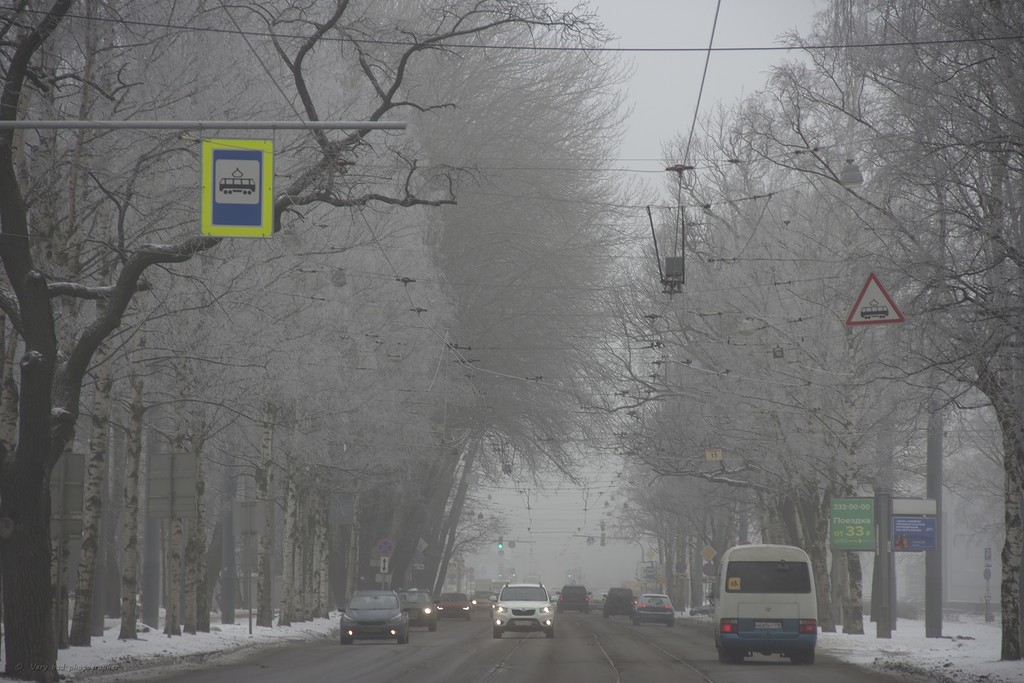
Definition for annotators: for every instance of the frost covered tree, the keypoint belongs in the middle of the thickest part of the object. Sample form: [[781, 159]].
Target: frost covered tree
[[43, 59]]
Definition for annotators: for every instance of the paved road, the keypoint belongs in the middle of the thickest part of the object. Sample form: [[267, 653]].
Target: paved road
[[587, 649]]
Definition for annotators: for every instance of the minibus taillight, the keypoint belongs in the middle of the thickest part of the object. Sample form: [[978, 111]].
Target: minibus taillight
[[729, 626], [808, 626]]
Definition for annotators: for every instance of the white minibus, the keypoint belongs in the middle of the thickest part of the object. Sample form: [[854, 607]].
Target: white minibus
[[765, 602]]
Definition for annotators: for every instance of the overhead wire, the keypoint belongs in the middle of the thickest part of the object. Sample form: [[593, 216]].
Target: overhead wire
[[544, 48]]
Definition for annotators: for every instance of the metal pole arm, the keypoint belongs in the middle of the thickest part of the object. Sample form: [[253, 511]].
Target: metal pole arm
[[205, 125]]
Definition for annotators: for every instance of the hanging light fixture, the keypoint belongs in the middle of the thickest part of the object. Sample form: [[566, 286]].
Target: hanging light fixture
[[851, 176]]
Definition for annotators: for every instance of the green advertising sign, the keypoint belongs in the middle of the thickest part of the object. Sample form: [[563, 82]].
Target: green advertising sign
[[851, 525]]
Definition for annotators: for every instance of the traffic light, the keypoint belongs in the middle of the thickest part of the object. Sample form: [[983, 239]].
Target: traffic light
[[501, 544]]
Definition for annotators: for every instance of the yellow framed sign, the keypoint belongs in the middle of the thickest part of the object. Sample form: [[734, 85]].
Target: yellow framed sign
[[237, 188]]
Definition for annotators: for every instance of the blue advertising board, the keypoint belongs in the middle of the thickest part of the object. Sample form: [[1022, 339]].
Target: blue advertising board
[[914, 534]]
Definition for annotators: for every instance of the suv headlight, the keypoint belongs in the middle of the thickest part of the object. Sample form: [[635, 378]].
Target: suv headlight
[[546, 609], [427, 610], [500, 609]]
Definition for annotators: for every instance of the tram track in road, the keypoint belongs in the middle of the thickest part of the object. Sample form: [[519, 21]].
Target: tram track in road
[[632, 632], [497, 668]]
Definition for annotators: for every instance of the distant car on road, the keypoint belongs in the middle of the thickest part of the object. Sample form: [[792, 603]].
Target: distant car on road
[[483, 600], [574, 597], [374, 615], [620, 601], [419, 608], [655, 607], [454, 605]]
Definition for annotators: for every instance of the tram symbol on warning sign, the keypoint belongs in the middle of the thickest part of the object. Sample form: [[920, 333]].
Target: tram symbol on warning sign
[[874, 306]]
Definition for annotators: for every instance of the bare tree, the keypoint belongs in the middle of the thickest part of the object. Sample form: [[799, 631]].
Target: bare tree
[[55, 362]]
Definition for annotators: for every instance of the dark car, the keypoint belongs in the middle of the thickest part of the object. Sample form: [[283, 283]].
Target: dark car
[[374, 615], [483, 600], [574, 598], [654, 607], [419, 608], [454, 605], [619, 601]]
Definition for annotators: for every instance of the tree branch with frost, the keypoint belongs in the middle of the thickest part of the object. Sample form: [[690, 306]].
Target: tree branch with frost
[[122, 291]]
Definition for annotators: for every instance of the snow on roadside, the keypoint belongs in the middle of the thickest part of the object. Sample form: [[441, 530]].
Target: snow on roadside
[[108, 659]]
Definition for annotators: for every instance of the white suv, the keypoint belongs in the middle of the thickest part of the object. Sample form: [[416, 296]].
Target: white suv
[[523, 607]]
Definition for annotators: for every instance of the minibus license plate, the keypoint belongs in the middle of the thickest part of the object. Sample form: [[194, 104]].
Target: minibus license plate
[[768, 625]]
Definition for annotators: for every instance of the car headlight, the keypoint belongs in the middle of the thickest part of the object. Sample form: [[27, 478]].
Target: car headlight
[[546, 609], [500, 610], [466, 607], [346, 617], [427, 610], [397, 619], [474, 602]]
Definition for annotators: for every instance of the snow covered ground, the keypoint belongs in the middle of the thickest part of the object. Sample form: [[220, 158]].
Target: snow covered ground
[[967, 652]]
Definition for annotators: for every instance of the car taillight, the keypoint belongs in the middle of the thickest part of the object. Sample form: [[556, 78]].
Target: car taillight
[[668, 606], [729, 626], [808, 626], [642, 605], [561, 597]]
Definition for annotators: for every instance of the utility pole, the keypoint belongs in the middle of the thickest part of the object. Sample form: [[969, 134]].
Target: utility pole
[[881, 603], [933, 558], [352, 575]]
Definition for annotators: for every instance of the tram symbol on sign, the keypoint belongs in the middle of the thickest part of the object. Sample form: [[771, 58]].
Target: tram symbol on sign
[[874, 310], [236, 181]]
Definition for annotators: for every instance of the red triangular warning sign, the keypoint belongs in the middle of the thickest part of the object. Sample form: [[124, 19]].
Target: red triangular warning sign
[[874, 306]]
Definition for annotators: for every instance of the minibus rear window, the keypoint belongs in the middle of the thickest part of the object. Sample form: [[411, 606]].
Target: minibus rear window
[[766, 576]]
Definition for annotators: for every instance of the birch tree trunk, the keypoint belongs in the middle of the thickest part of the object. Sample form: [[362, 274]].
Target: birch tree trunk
[[264, 488], [317, 539], [99, 442], [324, 610], [853, 598], [172, 591], [195, 545], [175, 540], [301, 543], [188, 619], [290, 524], [133, 455], [202, 587], [352, 557]]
